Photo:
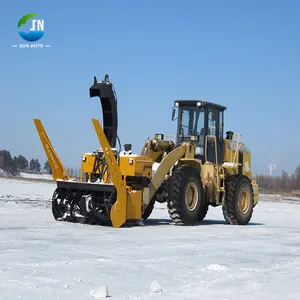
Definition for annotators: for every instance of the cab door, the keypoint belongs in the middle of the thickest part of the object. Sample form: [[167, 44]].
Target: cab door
[[215, 129]]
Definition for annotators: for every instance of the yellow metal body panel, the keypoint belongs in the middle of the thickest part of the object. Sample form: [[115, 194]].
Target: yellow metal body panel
[[190, 151], [208, 174], [255, 191], [197, 163], [136, 166], [118, 210], [226, 151], [58, 169], [247, 164], [231, 155], [134, 205], [87, 165], [227, 156]]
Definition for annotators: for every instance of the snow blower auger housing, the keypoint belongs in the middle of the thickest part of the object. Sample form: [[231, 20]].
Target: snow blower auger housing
[[199, 169]]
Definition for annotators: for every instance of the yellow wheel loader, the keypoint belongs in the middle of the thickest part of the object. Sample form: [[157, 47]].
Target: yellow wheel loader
[[198, 169]]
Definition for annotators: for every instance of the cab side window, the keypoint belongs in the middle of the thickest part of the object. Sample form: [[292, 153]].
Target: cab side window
[[212, 122]]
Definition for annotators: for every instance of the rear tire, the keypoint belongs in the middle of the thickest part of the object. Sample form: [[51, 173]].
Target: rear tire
[[186, 196], [238, 204]]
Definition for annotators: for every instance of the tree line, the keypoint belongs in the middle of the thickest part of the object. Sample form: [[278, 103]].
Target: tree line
[[13, 165], [73, 172], [282, 182]]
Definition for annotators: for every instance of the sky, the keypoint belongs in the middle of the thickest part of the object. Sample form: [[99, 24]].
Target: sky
[[244, 55]]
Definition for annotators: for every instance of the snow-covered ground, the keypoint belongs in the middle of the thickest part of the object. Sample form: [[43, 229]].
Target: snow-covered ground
[[36, 176], [28, 175], [44, 259]]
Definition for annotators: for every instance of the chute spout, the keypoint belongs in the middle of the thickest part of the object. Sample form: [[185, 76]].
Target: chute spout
[[105, 91]]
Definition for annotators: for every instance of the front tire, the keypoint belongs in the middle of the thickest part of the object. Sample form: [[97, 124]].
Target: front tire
[[147, 212], [186, 196], [203, 212], [238, 204]]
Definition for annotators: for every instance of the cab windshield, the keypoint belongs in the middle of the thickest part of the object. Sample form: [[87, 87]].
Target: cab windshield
[[191, 121]]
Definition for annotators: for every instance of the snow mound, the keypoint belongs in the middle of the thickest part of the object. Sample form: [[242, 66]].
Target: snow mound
[[216, 267], [100, 293], [2, 173], [155, 287]]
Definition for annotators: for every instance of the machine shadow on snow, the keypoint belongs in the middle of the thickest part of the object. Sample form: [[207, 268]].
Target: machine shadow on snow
[[159, 222], [195, 168], [206, 222]]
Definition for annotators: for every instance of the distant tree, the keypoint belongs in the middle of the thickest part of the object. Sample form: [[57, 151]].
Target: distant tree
[[37, 166], [34, 165], [7, 163], [292, 183], [73, 172], [77, 173], [284, 179], [21, 162], [47, 167], [5, 159], [297, 176]]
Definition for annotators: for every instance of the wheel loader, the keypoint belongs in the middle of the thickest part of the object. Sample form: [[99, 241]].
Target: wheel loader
[[200, 168]]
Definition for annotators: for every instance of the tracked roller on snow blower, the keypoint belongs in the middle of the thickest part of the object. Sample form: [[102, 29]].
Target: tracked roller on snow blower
[[199, 169]]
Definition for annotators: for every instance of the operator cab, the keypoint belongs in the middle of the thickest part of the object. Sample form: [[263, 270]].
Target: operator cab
[[198, 120]]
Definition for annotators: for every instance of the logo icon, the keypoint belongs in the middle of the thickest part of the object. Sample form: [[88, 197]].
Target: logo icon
[[246, 166], [36, 30]]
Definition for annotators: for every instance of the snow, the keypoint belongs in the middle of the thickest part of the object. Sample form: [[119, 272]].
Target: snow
[[127, 154], [28, 175], [44, 259], [155, 287], [12, 189], [99, 293], [36, 176]]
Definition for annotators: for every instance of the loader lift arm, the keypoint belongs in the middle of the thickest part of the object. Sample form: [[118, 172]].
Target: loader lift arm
[[167, 163]]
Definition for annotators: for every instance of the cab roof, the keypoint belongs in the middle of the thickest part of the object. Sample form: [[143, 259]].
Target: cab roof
[[195, 103]]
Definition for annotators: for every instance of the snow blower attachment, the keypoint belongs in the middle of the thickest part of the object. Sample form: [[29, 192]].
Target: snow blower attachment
[[200, 169]]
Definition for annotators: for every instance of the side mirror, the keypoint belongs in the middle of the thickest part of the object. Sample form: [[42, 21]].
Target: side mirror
[[173, 114]]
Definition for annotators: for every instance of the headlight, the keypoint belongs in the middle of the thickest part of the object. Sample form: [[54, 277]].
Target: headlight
[[195, 138]]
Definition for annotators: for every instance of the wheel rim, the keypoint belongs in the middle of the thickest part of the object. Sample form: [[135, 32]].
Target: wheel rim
[[191, 196], [244, 201]]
